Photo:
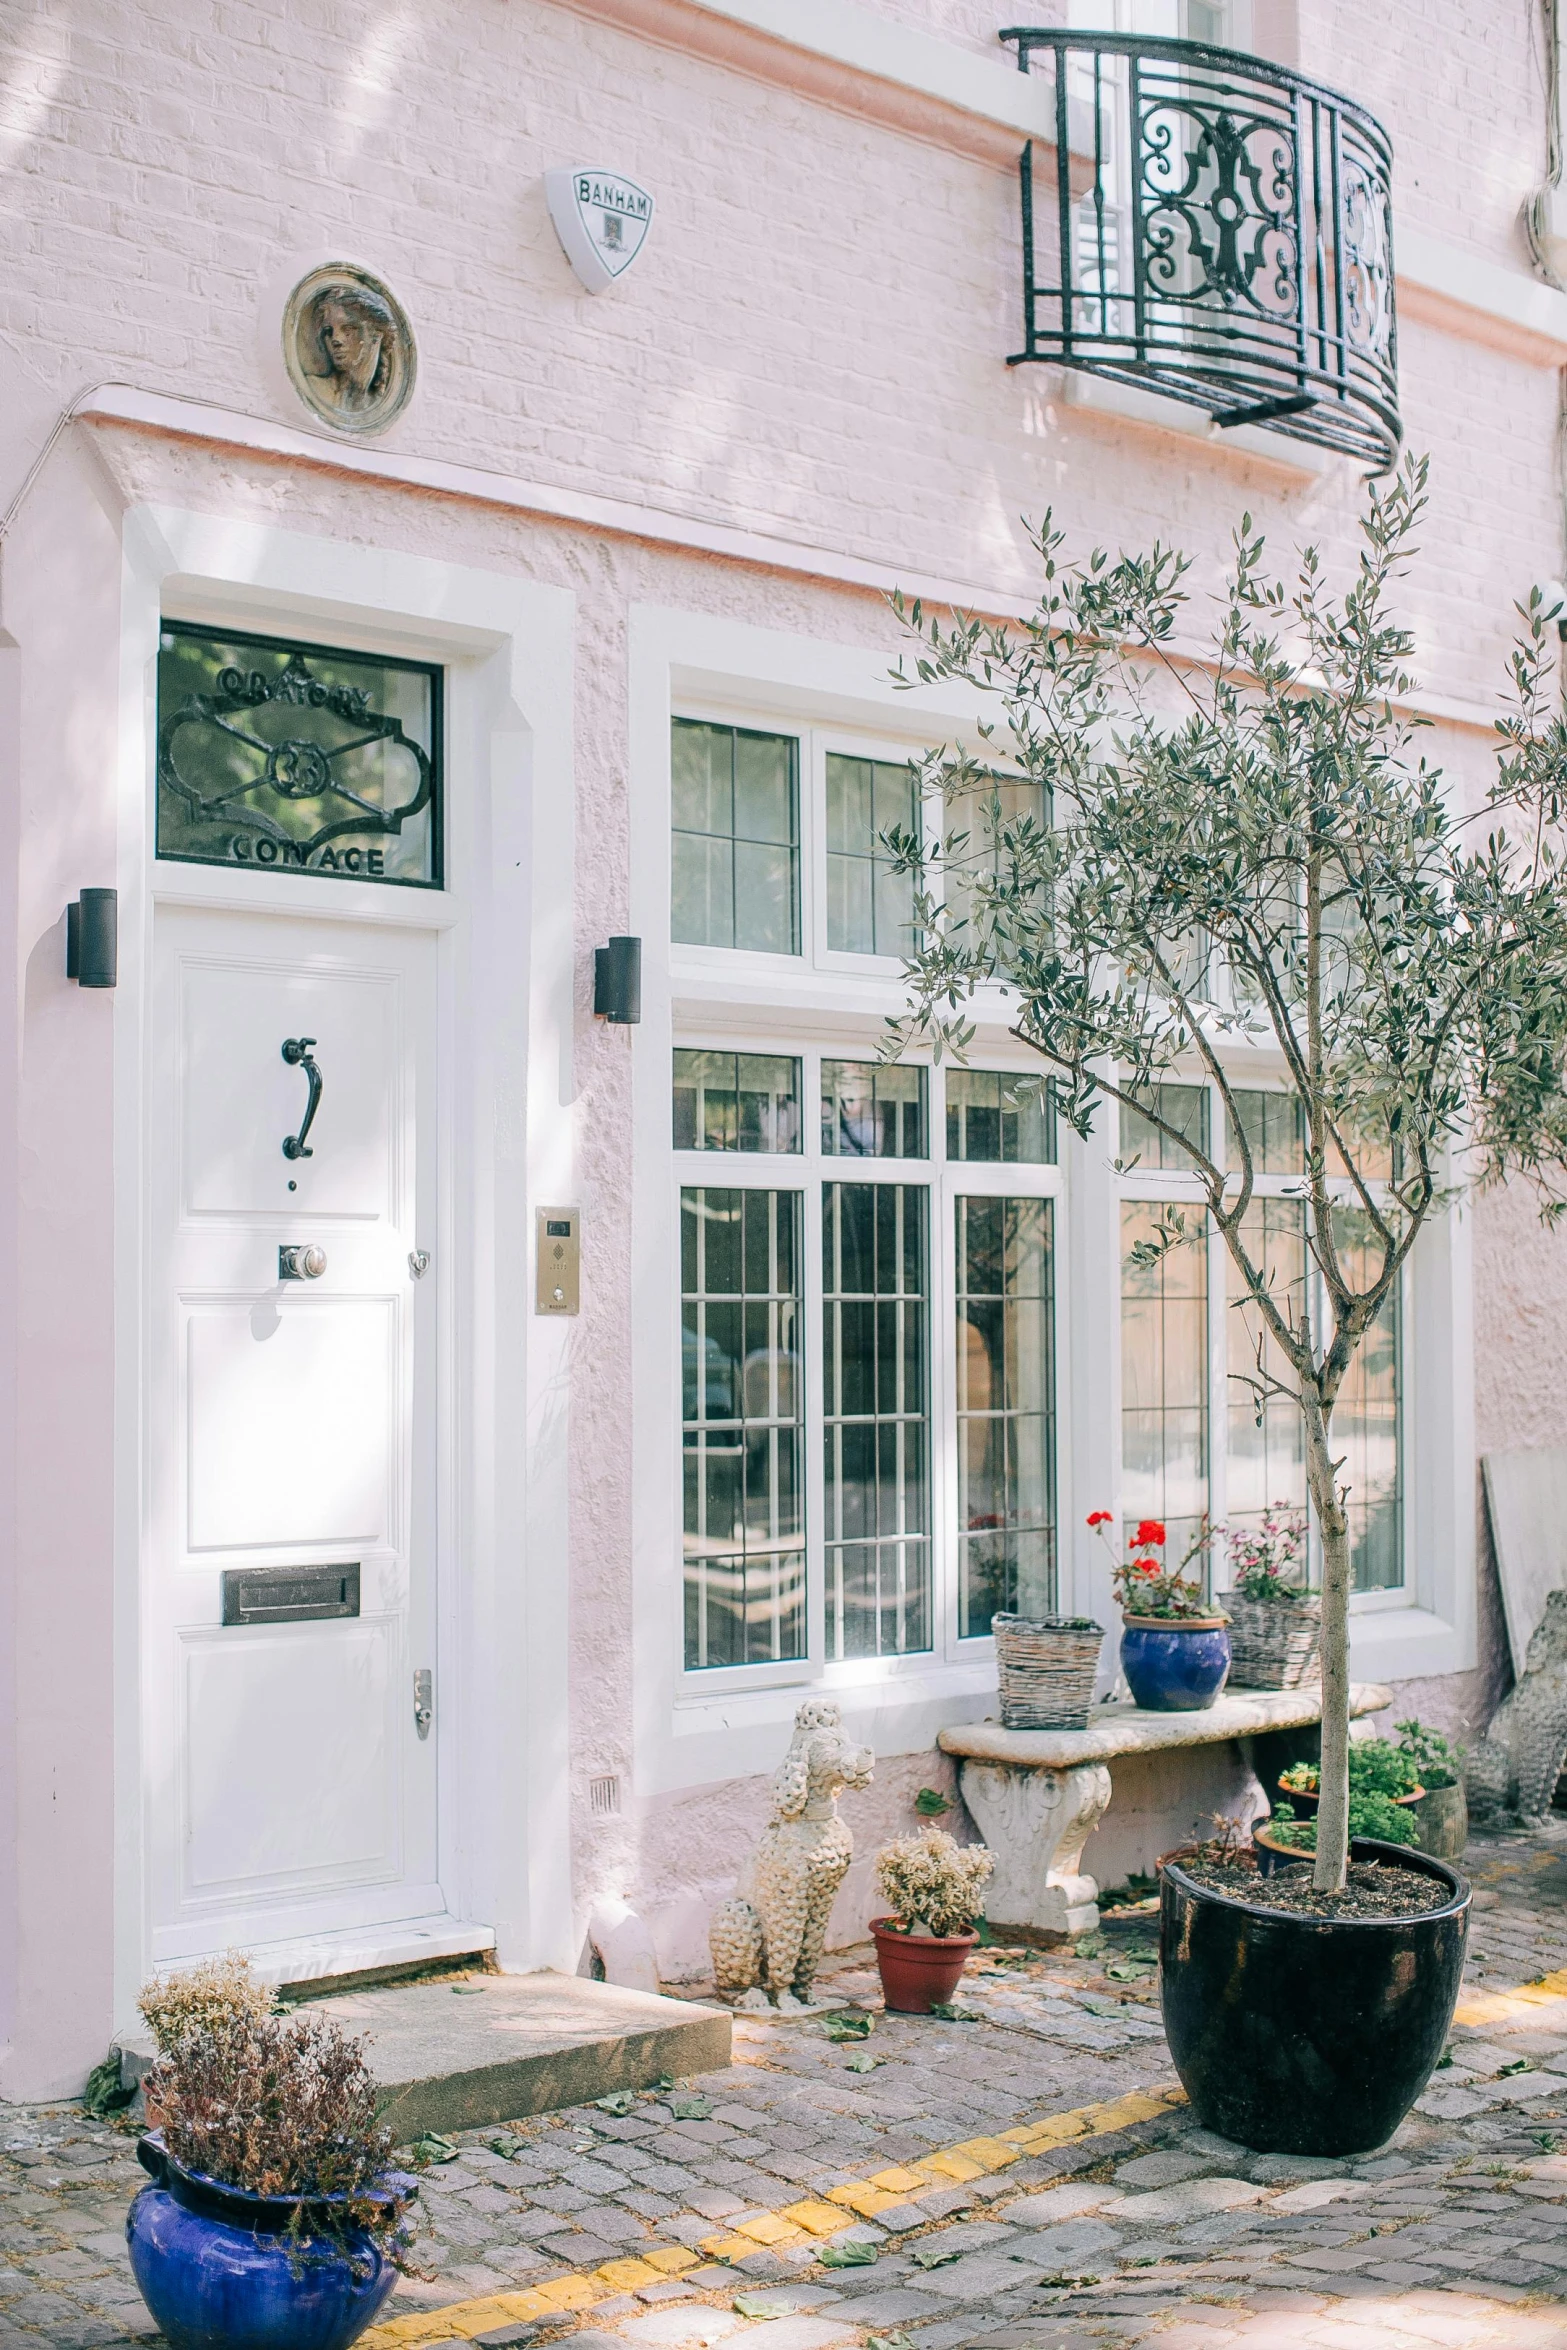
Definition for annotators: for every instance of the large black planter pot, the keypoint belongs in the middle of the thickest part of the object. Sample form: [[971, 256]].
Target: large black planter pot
[[1297, 2035]]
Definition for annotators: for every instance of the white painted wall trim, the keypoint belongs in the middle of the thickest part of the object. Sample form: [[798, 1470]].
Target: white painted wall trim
[[505, 926], [121, 406]]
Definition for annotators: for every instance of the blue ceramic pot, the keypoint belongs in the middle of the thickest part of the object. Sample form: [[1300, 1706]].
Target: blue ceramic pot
[[219, 2272], [1174, 1668]]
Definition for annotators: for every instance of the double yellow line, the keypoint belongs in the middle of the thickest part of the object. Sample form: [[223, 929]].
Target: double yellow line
[[797, 2223]]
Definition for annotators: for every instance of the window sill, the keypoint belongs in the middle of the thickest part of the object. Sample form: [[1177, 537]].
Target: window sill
[[738, 1733], [1404, 1644]]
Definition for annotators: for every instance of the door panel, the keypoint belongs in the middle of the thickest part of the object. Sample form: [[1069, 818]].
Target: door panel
[[294, 1414], [289, 1770], [290, 1422], [240, 1097]]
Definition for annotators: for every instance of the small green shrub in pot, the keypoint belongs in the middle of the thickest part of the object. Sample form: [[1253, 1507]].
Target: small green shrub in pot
[[1440, 1763]]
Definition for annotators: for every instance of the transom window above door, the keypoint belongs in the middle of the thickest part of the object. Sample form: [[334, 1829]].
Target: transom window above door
[[277, 755]]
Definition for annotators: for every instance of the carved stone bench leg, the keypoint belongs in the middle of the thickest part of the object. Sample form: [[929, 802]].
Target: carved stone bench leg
[[1036, 1821]]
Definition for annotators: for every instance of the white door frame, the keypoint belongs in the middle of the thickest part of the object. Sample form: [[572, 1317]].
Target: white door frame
[[508, 1139]]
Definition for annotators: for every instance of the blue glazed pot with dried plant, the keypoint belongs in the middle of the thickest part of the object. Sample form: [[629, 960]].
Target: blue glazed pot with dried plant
[[273, 2220]]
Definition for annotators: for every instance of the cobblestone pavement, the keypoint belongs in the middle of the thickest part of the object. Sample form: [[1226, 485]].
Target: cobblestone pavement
[[1020, 2181]]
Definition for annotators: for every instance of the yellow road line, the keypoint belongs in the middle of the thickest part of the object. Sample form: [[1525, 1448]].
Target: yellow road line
[[797, 2223], [1519, 2003]]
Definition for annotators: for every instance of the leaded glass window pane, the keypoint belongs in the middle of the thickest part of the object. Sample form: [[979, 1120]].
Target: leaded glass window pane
[[876, 1412], [1164, 1373], [743, 1427], [1266, 1459], [871, 1110], [736, 1102], [999, 1118], [1365, 1429], [870, 906], [988, 828], [1184, 1107], [276, 756], [1274, 1131], [736, 844], [1006, 1411]]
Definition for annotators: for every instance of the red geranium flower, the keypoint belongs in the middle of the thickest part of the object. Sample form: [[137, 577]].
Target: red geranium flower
[[1099, 1517], [1149, 1531], [1145, 1566]]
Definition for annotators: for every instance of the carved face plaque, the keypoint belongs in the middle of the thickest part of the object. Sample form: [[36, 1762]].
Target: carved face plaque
[[349, 349]]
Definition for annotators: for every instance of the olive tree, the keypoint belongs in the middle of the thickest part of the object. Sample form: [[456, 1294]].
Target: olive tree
[[1239, 843]]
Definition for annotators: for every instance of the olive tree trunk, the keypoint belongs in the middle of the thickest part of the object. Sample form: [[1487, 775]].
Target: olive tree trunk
[[1333, 1803]]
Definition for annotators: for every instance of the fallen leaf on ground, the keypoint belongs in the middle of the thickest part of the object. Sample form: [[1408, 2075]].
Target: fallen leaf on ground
[[619, 2101], [951, 2013], [690, 2109], [863, 2063], [852, 2024], [762, 2305], [432, 2147], [855, 2255], [934, 2255]]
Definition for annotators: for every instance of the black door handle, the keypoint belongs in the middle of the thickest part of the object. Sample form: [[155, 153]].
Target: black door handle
[[296, 1052]]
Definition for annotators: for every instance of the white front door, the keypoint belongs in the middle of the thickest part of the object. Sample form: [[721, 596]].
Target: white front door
[[290, 1595]]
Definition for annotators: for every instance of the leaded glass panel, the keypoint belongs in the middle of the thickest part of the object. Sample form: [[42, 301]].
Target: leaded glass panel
[[873, 1110], [870, 905], [1000, 1118], [1184, 1107], [1164, 1373], [279, 756], [743, 1427], [736, 844], [736, 1102], [1006, 1411], [876, 1410]]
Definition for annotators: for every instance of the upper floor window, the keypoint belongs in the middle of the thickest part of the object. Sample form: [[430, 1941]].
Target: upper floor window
[[736, 838], [870, 904]]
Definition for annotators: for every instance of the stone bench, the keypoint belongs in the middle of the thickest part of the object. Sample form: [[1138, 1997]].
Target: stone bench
[[1038, 1795]]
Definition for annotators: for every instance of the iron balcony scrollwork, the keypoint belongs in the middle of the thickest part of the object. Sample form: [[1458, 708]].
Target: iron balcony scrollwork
[[1221, 233]]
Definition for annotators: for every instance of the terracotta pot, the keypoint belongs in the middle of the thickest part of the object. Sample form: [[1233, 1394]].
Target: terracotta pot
[[919, 1971]]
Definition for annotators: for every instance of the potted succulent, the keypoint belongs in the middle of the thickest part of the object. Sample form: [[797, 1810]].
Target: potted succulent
[[1392, 951], [1175, 1650], [934, 1890], [274, 2220], [1275, 1622], [1442, 1811]]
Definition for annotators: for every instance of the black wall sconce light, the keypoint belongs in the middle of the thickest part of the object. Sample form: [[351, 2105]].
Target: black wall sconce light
[[617, 980], [92, 938]]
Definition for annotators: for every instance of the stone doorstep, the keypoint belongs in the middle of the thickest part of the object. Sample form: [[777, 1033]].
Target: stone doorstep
[[510, 2045]]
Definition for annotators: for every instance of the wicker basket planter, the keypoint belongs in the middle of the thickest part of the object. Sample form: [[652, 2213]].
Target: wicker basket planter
[[1046, 1669], [1273, 1642]]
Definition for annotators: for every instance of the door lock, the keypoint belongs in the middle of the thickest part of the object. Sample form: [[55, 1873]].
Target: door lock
[[424, 1700], [295, 1262]]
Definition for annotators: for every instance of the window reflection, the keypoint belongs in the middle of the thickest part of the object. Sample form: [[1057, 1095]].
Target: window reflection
[[1006, 1410], [876, 1418], [742, 1427]]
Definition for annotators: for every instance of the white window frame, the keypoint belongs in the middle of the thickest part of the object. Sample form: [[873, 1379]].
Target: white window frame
[[710, 1726]]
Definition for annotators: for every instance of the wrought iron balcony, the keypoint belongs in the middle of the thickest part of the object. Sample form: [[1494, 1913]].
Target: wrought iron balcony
[[1221, 233]]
